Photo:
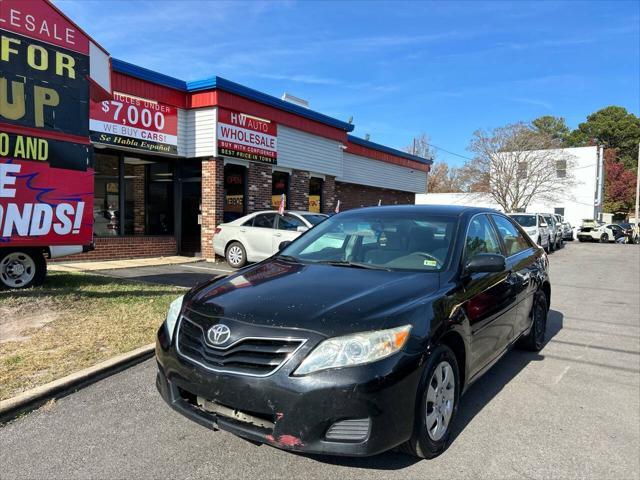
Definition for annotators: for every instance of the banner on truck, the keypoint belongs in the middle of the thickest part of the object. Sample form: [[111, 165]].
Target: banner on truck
[[41, 205], [247, 137], [136, 123]]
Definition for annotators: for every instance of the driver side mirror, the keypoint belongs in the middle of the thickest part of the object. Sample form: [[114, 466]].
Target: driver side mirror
[[284, 245], [486, 263]]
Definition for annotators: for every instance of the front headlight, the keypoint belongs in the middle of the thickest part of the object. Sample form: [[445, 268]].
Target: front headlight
[[355, 349], [172, 315]]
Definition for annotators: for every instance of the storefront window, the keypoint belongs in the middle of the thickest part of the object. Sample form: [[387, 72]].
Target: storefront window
[[160, 199], [315, 194], [106, 195], [235, 180], [141, 187], [279, 186]]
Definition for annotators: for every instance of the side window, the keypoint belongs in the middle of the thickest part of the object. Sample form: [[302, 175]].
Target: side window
[[540, 220], [481, 238], [249, 222], [264, 220], [289, 222], [514, 241]]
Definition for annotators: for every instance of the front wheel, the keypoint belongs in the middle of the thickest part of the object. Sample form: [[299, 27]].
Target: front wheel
[[437, 404], [21, 269], [236, 255], [534, 340], [552, 246]]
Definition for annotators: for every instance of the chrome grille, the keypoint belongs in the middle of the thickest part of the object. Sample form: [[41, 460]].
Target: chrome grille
[[255, 356]]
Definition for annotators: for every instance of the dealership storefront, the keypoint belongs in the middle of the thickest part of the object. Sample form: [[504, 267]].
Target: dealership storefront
[[174, 159]]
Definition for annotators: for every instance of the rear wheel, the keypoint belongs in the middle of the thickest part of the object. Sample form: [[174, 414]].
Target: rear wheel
[[604, 238], [22, 269], [437, 404], [534, 340], [236, 255]]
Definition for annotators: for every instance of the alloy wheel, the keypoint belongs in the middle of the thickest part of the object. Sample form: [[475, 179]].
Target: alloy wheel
[[440, 400]]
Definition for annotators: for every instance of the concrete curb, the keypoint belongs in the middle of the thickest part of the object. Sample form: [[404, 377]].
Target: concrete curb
[[34, 398]]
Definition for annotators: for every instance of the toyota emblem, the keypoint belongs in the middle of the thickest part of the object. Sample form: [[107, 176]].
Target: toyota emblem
[[218, 334]]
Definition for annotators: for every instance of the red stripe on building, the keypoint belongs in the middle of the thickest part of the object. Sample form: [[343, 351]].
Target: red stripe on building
[[140, 88], [385, 157], [244, 105]]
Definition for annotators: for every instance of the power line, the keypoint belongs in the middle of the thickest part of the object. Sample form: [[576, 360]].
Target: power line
[[450, 152]]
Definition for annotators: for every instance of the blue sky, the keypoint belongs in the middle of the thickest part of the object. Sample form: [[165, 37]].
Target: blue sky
[[399, 68]]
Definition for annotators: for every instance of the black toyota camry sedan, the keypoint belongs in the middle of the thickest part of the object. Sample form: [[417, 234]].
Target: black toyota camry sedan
[[359, 336]]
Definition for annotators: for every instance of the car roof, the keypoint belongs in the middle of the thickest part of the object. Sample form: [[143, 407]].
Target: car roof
[[296, 212], [430, 209]]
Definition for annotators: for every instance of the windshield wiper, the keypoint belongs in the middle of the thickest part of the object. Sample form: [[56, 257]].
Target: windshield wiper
[[344, 263], [289, 258]]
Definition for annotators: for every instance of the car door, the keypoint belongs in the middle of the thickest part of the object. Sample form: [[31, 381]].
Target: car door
[[286, 230], [521, 262], [490, 297], [258, 237]]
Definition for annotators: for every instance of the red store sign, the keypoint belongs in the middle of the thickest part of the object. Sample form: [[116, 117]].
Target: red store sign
[[247, 137], [137, 123]]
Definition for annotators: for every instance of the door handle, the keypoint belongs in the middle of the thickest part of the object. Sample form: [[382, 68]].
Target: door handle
[[277, 234], [243, 230]]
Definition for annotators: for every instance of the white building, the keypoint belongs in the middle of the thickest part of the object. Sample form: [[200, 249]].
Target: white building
[[583, 199]]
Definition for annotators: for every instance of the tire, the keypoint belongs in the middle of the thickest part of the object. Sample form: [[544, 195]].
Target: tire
[[552, 246], [425, 444], [580, 239], [535, 339], [21, 268], [236, 255], [604, 238]]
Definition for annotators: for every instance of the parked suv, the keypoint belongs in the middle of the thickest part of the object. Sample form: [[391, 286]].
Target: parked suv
[[535, 226], [567, 230], [555, 232]]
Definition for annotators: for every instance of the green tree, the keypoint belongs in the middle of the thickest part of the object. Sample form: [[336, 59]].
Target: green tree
[[552, 127], [614, 127]]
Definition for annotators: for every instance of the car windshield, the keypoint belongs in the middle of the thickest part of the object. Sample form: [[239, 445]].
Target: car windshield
[[315, 219], [378, 240], [525, 220]]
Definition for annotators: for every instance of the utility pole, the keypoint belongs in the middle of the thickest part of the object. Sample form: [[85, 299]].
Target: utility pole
[[638, 193]]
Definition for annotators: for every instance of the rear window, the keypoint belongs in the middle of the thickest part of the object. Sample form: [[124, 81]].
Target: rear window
[[314, 219], [525, 220]]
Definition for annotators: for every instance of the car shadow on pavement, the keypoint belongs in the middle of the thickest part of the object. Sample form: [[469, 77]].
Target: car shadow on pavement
[[472, 403], [491, 383]]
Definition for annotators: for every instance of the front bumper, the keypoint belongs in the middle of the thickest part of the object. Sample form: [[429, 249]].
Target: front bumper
[[299, 410]]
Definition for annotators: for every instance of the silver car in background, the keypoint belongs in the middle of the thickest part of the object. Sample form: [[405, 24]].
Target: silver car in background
[[555, 232], [257, 236], [535, 226], [567, 230]]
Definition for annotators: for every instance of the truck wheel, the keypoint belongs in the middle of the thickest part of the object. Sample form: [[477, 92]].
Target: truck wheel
[[22, 268]]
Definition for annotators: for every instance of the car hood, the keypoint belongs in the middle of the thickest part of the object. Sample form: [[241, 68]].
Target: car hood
[[330, 300]]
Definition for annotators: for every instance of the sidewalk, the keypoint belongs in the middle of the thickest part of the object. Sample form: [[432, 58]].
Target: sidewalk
[[90, 266]]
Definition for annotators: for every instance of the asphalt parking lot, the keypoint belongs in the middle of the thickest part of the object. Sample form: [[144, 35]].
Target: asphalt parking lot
[[181, 275], [571, 411]]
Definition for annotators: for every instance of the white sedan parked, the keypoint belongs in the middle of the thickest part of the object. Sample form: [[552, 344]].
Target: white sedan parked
[[257, 236]]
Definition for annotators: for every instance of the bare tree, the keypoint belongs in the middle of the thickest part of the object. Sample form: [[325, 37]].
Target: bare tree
[[444, 179], [421, 146], [519, 165]]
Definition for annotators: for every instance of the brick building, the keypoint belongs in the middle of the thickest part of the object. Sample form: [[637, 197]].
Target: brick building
[[174, 159]]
